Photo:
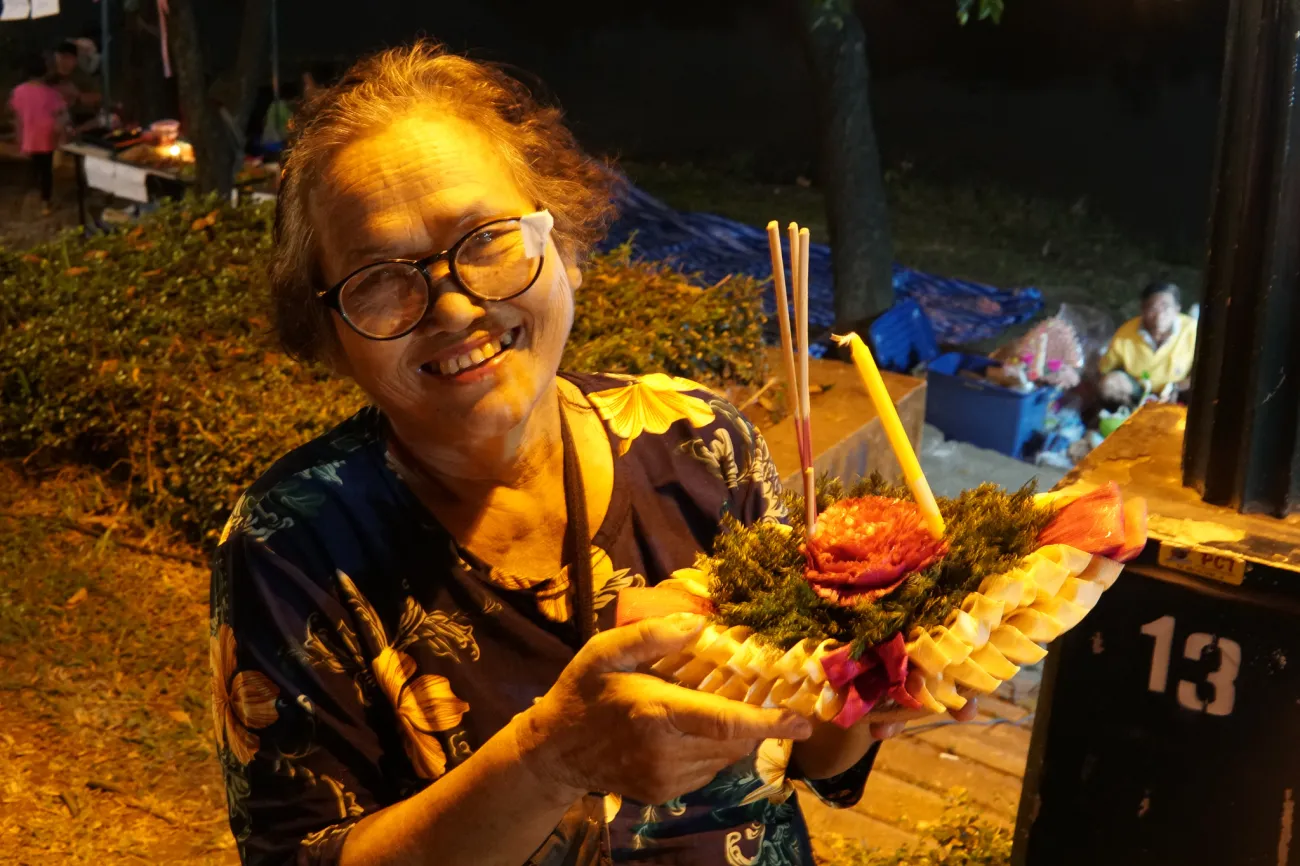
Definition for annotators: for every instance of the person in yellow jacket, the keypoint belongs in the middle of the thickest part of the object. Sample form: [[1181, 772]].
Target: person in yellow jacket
[[1151, 355]]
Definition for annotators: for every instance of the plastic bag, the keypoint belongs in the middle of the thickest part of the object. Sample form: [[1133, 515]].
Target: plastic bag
[[1094, 327]]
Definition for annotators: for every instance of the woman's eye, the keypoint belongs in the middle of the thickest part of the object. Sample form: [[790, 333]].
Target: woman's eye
[[491, 243], [486, 240]]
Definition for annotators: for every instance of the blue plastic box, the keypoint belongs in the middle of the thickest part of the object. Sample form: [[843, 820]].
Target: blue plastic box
[[902, 337], [981, 412]]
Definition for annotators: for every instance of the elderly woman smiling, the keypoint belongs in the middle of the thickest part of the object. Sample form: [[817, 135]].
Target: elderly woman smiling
[[412, 635]]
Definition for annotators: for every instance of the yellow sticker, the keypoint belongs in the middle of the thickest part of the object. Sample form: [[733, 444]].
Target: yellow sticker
[[1213, 565]]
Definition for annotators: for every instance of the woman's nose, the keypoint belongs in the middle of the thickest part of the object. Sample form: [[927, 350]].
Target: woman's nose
[[454, 311]]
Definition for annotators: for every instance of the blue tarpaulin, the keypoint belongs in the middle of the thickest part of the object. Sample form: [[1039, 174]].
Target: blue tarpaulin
[[714, 247]]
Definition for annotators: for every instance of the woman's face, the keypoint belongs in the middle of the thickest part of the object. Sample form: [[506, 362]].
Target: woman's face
[[1160, 314], [411, 190]]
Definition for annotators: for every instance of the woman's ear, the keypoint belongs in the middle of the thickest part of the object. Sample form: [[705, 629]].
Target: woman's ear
[[574, 274]]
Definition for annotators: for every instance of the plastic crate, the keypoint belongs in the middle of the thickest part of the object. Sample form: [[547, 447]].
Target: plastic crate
[[902, 337], [981, 412]]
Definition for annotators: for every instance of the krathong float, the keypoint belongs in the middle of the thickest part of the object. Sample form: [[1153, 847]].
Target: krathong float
[[881, 602]]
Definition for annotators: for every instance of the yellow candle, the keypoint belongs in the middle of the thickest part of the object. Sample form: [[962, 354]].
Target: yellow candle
[[898, 440]]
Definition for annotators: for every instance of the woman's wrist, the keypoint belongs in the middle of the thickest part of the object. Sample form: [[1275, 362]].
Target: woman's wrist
[[535, 754], [831, 750]]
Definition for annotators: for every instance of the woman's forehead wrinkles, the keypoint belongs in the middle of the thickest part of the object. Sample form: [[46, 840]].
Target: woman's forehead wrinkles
[[413, 189], [412, 232]]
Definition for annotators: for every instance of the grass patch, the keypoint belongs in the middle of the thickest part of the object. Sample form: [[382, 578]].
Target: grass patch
[[961, 837]]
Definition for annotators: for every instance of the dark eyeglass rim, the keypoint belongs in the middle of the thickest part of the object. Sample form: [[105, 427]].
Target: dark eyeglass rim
[[332, 295]]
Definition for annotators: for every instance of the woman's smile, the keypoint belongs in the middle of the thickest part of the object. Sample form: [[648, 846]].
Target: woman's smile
[[474, 360]]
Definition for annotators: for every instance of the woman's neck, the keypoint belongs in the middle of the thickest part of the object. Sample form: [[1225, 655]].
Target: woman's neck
[[505, 500], [528, 456]]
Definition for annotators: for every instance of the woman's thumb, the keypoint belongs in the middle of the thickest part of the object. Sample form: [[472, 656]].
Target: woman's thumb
[[628, 647]]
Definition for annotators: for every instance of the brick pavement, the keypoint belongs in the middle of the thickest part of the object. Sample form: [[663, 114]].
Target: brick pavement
[[916, 770]]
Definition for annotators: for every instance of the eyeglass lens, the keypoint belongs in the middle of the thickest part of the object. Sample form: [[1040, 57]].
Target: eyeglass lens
[[389, 298]]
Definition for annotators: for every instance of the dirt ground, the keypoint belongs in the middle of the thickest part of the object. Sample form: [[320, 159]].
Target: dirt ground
[[22, 222], [105, 732]]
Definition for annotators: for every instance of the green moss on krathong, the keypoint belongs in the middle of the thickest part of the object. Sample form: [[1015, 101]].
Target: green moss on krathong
[[758, 570]]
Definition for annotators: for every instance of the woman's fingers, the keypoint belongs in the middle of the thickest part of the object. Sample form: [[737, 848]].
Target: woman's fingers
[[967, 712], [689, 751], [626, 647], [885, 730], [701, 714]]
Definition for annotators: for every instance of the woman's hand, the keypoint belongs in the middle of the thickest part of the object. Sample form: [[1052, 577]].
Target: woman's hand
[[832, 749], [605, 727]]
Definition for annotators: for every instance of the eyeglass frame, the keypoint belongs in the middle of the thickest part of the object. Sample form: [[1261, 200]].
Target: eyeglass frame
[[332, 295]]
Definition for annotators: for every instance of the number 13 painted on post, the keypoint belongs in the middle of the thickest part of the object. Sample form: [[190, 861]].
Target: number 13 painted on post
[[1221, 680]]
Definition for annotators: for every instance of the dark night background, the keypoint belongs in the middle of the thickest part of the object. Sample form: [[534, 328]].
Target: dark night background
[[1112, 99]]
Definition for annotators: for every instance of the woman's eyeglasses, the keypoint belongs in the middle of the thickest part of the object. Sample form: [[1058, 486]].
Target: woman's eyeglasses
[[496, 261]]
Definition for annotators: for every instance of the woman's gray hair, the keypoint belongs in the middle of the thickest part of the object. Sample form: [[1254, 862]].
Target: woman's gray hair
[[423, 79]]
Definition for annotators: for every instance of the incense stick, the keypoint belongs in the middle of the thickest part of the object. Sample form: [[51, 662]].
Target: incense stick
[[783, 322], [805, 399], [796, 390]]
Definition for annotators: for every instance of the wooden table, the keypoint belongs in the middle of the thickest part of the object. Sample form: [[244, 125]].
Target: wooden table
[[100, 168]]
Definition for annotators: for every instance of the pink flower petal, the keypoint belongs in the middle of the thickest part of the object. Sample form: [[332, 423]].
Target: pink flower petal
[[893, 655], [853, 710], [841, 669]]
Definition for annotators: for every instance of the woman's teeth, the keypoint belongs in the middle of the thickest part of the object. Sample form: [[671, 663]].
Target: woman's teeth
[[474, 357]]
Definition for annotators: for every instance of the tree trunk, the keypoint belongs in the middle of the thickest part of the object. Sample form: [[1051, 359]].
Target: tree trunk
[[236, 90], [215, 116], [861, 252], [143, 86], [202, 123]]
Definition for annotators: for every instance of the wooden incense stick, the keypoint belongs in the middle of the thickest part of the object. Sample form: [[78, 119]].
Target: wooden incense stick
[[796, 402], [805, 404], [783, 322]]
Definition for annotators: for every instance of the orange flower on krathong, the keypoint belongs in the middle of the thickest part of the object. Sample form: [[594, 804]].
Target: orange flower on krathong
[[425, 705], [241, 701]]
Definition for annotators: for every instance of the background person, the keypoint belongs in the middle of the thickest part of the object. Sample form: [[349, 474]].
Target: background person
[[41, 118], [1152, 354], [79, 89]]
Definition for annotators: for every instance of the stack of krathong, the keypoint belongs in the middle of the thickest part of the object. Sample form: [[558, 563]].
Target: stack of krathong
[[881, 602]]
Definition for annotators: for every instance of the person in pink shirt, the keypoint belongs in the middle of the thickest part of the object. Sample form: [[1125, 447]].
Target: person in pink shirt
[[42, 116]]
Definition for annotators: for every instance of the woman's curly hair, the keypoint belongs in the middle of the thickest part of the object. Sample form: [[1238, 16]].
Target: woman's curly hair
[[423, 79]]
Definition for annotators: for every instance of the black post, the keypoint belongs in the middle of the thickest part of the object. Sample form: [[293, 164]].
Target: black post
[[1241, 446]]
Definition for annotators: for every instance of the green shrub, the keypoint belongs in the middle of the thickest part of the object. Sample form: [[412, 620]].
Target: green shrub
[[148, 353], [643, 317]]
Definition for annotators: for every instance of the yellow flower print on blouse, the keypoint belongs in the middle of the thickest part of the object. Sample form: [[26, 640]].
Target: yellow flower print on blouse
[[650, 404], [241, 702], [554, 598], [425, 706]]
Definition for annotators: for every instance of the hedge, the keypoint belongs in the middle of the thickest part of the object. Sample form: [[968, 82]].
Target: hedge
[[148, 353]]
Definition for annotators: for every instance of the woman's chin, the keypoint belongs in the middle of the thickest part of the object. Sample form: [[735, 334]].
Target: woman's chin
[[492, 406]]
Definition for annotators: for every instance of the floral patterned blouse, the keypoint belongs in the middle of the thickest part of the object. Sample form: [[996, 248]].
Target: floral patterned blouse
[[359, 654]]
